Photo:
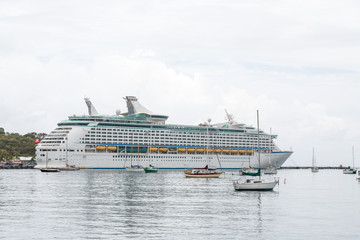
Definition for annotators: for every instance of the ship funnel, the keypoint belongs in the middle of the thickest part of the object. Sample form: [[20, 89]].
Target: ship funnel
[[134, 106], [91, 109]]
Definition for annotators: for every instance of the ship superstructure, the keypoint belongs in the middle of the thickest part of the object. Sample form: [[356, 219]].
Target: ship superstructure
[[143, 137]]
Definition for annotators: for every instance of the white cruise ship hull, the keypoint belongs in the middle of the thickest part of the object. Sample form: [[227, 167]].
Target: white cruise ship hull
[[162, 161]]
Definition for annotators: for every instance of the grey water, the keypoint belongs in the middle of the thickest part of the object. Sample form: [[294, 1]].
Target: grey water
[[115, 204]]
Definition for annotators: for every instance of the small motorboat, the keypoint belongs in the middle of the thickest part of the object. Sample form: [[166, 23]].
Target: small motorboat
[[358, 174], [270, 170], [349, 171], [151, 169], [250, 172]]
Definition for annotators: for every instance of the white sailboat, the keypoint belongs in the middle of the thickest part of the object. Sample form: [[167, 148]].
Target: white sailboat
[[134, 168], [314, 168], [350, 170], [254, 184]]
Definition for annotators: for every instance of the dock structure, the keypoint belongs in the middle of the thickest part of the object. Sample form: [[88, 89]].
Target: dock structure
[[308, 167]]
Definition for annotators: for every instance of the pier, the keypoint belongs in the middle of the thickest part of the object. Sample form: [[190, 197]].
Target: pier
[[308, 167]]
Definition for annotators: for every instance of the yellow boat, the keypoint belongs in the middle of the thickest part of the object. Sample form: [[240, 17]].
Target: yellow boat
[[200, 150], [234, 151], [217, 150], [100, 147], [226, 151], [181, 149], [153, 149], [191, 149], [163, 149], [210, 150], [111, 148], [242, 151], [172, 149]]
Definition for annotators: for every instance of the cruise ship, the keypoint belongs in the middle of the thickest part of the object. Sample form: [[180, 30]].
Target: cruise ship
[[142, 137]]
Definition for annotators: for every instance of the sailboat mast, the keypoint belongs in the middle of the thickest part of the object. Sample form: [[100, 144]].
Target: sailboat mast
[[47, 159], [270, 149], [353, 157], [207, 144], [258, 139], [131, 150]]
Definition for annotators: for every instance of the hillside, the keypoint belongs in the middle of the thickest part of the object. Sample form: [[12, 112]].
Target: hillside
[[13, 145]]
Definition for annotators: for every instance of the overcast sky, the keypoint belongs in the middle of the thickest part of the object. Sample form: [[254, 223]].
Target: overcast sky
[[298, 62]]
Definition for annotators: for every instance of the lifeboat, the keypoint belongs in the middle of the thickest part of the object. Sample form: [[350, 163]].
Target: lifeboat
[[191, 149], [249, 151], [172, 149], [111, 148], [217, 150], [181, 149], [210, 150], [234, 151], [242, 151], [163, 149], [226, 151], [153, 149], [100, 147], [200, 150]]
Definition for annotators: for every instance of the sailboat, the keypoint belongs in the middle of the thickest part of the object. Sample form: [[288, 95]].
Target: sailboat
[[47, 169], [270, 169], [206, 172], [134, 168], [254, 184], [248, 171], [314, 167], [69, 167], [350, 170]]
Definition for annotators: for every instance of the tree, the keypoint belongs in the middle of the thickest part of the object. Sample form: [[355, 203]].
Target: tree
[[4, 155]]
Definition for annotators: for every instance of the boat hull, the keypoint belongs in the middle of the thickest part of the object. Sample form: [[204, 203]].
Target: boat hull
[[314, 169], [214, 175], [264, 186], [163, 161], [134, 169], [49, 170]]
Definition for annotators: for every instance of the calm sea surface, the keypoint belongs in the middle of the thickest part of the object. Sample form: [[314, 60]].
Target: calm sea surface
[[115, 204]]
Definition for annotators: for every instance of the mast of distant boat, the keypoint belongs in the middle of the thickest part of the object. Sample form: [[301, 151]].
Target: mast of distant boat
[[353, 157], [207, 144], [258, 141], [270, 150], [313, 158], [47, 160], [131, 156]]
